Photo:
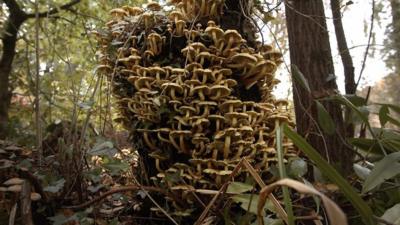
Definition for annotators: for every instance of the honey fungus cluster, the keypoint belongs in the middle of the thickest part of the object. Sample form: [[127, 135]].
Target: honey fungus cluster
[[178, 82]]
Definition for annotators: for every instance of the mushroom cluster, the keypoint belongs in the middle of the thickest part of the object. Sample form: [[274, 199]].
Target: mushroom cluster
[[178, 84]]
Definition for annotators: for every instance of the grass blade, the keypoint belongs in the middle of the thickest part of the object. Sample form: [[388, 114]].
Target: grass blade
[[363, 209]]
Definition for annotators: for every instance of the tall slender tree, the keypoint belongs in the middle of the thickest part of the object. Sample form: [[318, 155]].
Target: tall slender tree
[[347, 60], [394, 59], [310, 51]]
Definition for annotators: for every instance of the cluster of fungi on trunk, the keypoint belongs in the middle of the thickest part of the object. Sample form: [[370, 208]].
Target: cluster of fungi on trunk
[[183, 85]]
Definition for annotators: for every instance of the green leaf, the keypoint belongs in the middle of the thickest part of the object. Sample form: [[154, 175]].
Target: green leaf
[[115, 166], [396, 108], [383, 115], [103, 148], [249, 202], [356, 100], [55, 186], [358, 203], [60, 219], [298, 76], [325, 120], [392, 215], [385, 169], [238, 188]]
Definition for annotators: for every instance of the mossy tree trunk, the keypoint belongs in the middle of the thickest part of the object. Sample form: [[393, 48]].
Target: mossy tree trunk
[[310, 51]]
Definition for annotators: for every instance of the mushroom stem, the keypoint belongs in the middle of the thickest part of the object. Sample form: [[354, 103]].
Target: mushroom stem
[[213, 11], [239, 152], [158, 165], [203, 7], [182, 144], [148, 142], [227, 145]]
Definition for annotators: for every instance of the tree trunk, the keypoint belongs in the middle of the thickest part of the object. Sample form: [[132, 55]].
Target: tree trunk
[[347, 61], [14, 22], [395, 34], [310, 51]]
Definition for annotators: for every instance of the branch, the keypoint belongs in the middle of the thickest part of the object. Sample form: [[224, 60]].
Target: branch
[[14, 8], [113, 191], [54, 10]]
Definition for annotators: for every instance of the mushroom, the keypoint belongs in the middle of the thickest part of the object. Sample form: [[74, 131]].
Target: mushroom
[[216, 33], [202, 57], [219, 121], [227, 135], [244, 61], [155, 42], [176, 16], [199, 123], [189, 53], [14, 181], [200, 141], [234, 117], [162, 131], [230, 105], [153, 6], [159, 156], [180, 28], [221, 74], [181, 134], [146, 17], [172, 89], [201, 90], [192, 66], [204, 107], [214, 11], [232, 37], [203, 75], [146, 138], [118, 13], [191, 34], [219, 91], [133, 11], [241, 146], [35, 196], [198, 47]]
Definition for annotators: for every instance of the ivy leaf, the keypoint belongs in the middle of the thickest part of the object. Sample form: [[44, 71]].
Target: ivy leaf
[[383, 115], [325, 120], [392, 215], [55, 186], [249, 202], [104, 148], [60, 219], [385, 169], [238, 188], [298, 76]]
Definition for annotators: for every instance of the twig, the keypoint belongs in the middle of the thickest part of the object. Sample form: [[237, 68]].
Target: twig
[[54, 10], [108, 193], [11, 220], [371, 30], [39, 137], [25, 199]]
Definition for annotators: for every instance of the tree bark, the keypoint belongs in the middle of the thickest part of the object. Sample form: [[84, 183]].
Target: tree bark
[[310, 51], [395, 34], [347, 61], [16, 18]]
